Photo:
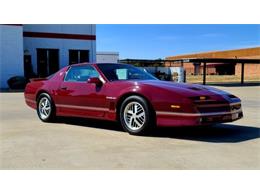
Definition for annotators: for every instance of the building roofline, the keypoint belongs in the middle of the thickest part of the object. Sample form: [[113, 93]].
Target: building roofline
[[210, 52], [106, 53]]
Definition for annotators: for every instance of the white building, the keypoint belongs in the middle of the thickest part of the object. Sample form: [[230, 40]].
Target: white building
[[46, 48], [107, 57]]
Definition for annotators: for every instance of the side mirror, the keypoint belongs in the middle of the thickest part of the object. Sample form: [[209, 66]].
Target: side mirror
[[95, 80]]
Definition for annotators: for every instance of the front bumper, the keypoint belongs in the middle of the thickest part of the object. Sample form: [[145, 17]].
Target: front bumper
[[194, 119], [221, 118]]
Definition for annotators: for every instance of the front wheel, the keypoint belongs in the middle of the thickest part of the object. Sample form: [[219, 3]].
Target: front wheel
[[45, 108], [136, 115]]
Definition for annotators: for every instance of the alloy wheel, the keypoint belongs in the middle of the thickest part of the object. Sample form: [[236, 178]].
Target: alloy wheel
[[134, 116], [44, 108]]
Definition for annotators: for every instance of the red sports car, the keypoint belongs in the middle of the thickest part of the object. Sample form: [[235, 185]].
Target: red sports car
[[122, 92]]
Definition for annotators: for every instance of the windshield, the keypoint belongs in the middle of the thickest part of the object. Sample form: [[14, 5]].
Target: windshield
[[115, 72]]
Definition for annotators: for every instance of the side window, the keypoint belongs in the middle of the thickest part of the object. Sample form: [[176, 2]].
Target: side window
[[80, 73], [121, 73]]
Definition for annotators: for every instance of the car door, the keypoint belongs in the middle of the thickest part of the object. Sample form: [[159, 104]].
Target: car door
[[77, 97]]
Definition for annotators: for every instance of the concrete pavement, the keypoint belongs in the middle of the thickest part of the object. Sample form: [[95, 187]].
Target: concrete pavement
[[72, 143]]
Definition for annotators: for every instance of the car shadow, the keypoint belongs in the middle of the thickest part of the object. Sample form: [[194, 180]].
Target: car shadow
[[94, 123], [220, 133]]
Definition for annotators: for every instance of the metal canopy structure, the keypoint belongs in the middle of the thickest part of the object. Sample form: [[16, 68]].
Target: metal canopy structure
[[203, 61], [145, 61]]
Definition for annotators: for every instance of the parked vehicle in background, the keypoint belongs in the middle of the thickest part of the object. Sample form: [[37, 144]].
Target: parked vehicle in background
[[17, 82]]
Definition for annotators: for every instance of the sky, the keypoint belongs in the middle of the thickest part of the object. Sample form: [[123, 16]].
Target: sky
[[145, 41]]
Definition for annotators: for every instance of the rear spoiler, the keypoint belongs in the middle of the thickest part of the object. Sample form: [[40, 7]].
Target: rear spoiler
[[38, 79]]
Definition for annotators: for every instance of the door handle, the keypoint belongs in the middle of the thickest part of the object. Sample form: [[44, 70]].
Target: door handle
[[64, 88]]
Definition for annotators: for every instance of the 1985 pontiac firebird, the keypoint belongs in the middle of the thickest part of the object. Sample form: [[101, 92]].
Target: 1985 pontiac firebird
[[124, 93]]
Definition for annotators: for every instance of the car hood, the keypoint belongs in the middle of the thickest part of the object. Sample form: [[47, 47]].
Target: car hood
[[184, 89]]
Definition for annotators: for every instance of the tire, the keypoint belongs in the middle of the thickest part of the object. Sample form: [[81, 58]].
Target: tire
[[136, 115], [46, 108]]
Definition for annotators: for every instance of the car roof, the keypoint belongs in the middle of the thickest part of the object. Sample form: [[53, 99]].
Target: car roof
[[81, 64], [92, 63]]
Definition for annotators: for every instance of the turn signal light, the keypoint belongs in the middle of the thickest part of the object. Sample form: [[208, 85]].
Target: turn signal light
[[200, 98], [175, 106]]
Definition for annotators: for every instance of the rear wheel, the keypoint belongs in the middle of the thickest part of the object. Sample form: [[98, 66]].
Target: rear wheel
[[45, 108], [135, 115]]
